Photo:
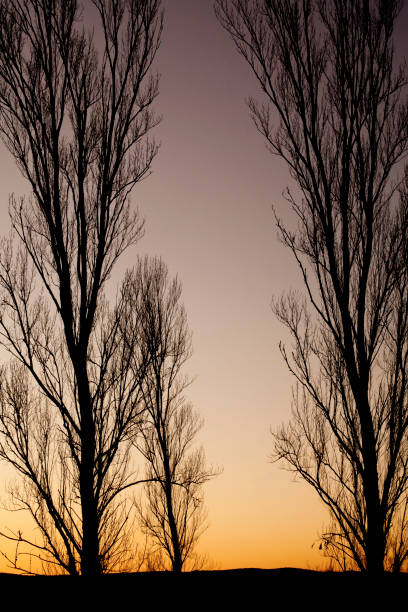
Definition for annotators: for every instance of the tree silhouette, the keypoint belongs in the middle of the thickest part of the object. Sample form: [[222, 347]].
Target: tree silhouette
[[76, 120], [172, 514], [327, 71]]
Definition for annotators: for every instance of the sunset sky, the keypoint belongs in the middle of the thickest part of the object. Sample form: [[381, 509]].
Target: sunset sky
[[208, 210]]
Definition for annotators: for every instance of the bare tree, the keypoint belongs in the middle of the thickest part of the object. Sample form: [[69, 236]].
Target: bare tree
[[36, 441], [172, 514], [76, 120], [327, 71]]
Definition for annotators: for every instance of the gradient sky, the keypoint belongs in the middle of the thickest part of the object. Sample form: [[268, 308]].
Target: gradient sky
[[208, 209]]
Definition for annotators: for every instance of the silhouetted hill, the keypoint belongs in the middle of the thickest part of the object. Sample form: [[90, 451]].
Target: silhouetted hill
[[247, 589]]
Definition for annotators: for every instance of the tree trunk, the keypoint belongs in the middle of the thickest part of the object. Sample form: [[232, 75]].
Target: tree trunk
[[177, 562], [90, 561], [375, 544], [90, 558]]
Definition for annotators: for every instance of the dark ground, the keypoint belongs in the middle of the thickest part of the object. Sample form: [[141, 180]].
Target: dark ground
[[246, 589]]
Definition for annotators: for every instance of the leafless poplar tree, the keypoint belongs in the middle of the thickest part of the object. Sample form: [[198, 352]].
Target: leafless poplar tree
[[172, 514], [76, 120], [327, 71]]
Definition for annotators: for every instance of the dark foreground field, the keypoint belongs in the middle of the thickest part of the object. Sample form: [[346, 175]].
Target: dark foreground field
[[246, 589]]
